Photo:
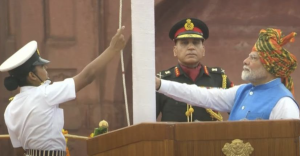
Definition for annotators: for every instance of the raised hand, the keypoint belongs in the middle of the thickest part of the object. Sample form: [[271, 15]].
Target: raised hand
[[117, 42]]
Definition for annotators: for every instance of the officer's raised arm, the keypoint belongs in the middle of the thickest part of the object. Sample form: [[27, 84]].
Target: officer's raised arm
[[88, 74], [36, 105]]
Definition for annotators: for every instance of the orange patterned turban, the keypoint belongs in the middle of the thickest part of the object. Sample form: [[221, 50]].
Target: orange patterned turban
[[277, 60]]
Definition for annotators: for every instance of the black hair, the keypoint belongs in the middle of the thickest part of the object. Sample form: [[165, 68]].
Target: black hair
[[12, 82]]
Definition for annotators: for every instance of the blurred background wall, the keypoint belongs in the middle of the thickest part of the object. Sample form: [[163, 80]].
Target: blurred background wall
[[72, 33]]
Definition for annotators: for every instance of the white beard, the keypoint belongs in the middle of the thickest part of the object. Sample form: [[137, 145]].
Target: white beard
[[254, 75]]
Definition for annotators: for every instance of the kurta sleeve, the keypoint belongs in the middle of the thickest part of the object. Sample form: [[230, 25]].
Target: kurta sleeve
[[217, 99]]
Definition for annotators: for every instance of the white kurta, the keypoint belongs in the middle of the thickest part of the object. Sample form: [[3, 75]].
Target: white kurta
[[221, 99], [33, 118]]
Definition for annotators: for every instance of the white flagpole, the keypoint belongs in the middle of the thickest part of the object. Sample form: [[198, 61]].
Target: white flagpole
[[143, 61]]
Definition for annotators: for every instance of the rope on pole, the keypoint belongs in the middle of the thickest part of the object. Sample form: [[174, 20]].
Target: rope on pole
[[123, 71]]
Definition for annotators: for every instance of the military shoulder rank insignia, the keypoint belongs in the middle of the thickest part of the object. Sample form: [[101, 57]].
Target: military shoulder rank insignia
[[163, 74], [214, 69], [189, 25], [217, 70]]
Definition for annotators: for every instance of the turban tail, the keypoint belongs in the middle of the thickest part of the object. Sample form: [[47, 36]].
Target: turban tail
[[276, 59]]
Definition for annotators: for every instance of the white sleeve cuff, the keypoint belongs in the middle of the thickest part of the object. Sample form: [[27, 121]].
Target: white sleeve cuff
[[163, 86]]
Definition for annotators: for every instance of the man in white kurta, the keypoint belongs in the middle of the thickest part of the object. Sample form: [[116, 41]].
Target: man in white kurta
[[269, 95]]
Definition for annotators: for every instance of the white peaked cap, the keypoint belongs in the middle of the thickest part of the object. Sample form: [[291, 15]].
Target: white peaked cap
[[27, 53]]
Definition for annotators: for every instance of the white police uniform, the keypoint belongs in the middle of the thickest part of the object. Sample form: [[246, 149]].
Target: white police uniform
[[33, 118]]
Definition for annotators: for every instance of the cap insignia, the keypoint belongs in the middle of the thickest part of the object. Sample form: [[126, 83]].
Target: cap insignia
[[189, 25]]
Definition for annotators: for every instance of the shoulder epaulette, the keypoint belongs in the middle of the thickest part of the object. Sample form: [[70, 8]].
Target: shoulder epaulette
[[216, 70], [163, 74], [166, 73]]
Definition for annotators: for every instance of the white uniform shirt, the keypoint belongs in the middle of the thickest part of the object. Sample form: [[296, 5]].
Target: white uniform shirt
[[222, 99], [33, 118]]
